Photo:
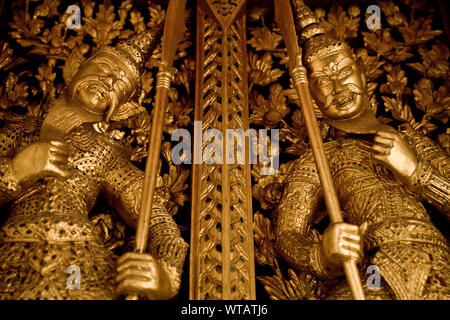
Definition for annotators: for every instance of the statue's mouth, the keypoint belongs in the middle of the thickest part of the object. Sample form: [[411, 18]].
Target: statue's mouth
[[344, 100]]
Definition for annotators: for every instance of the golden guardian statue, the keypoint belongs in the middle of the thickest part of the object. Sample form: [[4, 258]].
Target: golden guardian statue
[[52, 176], [381, 177]]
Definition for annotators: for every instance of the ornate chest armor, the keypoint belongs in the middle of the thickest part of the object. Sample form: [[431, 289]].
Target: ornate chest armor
[[403, 242], [48, 228]]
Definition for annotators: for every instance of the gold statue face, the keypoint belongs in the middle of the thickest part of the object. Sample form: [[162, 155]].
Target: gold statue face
[[102, 84], [337, 85]]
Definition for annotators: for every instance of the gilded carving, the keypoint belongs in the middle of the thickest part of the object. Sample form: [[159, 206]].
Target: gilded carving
[[76, 105], [76, 143], [292, 235]]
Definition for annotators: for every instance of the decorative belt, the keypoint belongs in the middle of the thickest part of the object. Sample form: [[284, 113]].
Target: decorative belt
[[403, 230]]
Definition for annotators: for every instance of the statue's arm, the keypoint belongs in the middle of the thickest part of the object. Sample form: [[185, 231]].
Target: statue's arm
[[431, 178], [293, 230], [123, 189], [9, 184], [10, 134]]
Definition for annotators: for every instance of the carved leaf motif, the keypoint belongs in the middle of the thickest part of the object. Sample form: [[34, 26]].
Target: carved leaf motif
[[13, 92], [275, 286], [157, 15], [297, 132], [344, 26], [371, 86], [178, 114], [24, 25], [268, 112], [256, 13], [48, 9], [261, 71], [147, 86], [433, 103], [444, 141], [339, 23], [46, 77], [418, 31], [104, 28], [264, 237], [371, 64], [303, 287], [263, 39], [186, 73], [141, 127], [174, 183], [383, 44], [137, 20], [418, 4], [434, 62], [7, 61], [393, 15], [399, 111], [396, 81]]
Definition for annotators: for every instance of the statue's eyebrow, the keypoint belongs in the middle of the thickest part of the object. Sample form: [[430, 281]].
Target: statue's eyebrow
[[338, 62], [106, 62], [317, 74], [344, 59]]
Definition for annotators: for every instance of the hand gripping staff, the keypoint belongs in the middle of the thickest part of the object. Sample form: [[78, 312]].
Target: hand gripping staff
[[284, 18], [174, 28]]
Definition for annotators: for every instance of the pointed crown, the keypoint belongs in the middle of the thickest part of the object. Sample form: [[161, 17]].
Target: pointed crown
[[313, 38], [135, 51]]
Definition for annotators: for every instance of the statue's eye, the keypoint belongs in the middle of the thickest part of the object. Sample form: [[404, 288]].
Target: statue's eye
[[105, 68], [345, 72], [322, 81]]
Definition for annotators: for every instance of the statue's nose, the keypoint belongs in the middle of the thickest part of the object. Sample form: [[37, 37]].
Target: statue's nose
[[337, 86]]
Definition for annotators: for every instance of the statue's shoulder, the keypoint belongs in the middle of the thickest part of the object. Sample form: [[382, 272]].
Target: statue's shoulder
[[307, 157], [89, 135], [332, 148], [18, 130], [27, 123]]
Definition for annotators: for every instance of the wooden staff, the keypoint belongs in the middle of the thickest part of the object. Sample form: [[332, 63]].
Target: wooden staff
[[284, 18], [174, 28]]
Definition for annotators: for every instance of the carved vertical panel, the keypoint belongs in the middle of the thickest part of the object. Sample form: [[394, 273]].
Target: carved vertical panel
[[222, 254]]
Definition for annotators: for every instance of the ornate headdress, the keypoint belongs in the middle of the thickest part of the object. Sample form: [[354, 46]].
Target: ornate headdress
[[132, 55], [313, 38], [316, 44], [134, 52]]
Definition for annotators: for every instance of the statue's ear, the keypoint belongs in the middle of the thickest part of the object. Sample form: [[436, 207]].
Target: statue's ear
[[126, 110], [362, 69], [73, 63]]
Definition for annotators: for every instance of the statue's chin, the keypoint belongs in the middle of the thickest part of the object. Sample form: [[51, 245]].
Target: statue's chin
[[63, 116], [346, 107], [363, 123]]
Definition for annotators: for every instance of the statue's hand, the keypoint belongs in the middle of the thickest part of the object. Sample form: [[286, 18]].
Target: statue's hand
[[395, 153], [341, 242], [142, 274], [41, 159]]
